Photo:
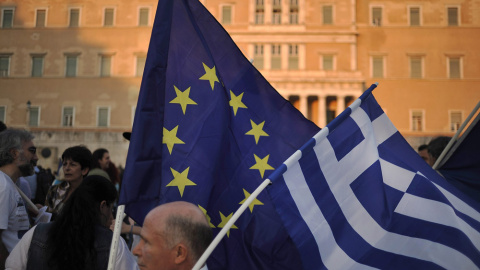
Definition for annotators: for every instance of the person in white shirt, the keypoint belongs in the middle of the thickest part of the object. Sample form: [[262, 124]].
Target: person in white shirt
[[79, 238], [17, 158]]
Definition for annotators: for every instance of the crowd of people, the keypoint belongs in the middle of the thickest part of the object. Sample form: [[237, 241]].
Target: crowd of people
[[79, 233]]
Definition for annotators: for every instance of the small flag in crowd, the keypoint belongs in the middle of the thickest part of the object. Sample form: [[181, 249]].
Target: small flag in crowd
[[359, 197], [209, 129]]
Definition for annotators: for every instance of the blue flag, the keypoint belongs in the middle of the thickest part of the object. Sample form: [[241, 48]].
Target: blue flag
[[461, 166], [209, 129], [357, 196]]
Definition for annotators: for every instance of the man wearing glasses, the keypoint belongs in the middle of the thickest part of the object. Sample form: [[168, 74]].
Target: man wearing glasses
[[17, 158]]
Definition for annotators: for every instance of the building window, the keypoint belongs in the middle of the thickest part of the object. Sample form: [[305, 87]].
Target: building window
[[276, 57], [454, 67], [34, 116], [327, 62], [416, 67], [277, 12], [7, 17], [414, 15], [140, 65], [258, 56], [3, 113], [41, 18], [417, 120], [293, 12], [378, 67], [67, 116], [4, 65], [105, 65], [103, 115], [108, 18], [143, 15], [455, 120], [292, 56], [452, 14], [71, 65], [259, 12], [37, 65], [226, 15], [327, 12], [376, 16], [74, 17]]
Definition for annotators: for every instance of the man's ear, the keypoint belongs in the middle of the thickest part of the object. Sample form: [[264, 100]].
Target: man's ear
[[103, 204], [14, 152], [181, 253]]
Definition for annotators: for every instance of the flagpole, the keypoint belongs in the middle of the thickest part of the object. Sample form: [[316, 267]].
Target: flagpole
[[30, 204], [116, 237], [229, 224], [454, 138]]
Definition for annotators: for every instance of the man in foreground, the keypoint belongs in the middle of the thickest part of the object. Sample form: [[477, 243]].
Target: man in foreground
[[17, 158], [174, 236]]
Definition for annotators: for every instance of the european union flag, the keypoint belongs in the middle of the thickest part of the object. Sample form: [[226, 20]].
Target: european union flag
[[359, 197], [209, 129]]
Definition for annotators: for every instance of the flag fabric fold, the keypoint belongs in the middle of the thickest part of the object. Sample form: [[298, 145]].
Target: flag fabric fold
[[209, 129], [359, 197]]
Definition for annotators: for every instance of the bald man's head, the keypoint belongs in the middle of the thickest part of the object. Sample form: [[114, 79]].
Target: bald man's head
[[184, 222], [180, 227]]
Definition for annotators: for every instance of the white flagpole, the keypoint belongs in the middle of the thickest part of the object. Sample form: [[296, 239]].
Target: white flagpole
[[116, 237], [229, 224], [454, 138], [30, 204]]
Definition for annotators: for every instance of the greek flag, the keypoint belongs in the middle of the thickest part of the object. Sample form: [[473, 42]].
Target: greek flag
[[357, 196]]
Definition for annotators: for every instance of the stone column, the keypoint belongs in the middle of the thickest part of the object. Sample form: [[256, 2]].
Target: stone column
[[303, 104], [322, 111], [340, 104]]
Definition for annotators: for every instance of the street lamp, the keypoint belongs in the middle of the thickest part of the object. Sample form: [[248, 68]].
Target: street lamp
[[29, 105]]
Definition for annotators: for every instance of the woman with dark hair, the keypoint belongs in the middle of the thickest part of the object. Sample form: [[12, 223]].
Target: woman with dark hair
[[101, 160], [77, 161], [80, 237]]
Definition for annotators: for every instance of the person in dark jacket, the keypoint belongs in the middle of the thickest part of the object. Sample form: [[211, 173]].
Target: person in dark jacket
[[79, 238]]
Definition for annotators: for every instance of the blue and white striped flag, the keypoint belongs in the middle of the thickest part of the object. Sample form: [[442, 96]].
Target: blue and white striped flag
[[357, 196]]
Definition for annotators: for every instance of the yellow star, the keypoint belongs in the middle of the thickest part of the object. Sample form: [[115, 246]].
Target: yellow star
[[257, 130], [183, 98], [210, 75], [170, 138], [208, 217], [261, 164], [224, 222], [180, 180], [236, 102], [253, 203]]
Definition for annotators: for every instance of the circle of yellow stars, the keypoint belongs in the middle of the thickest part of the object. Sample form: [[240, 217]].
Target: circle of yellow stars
[[170, 139]]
